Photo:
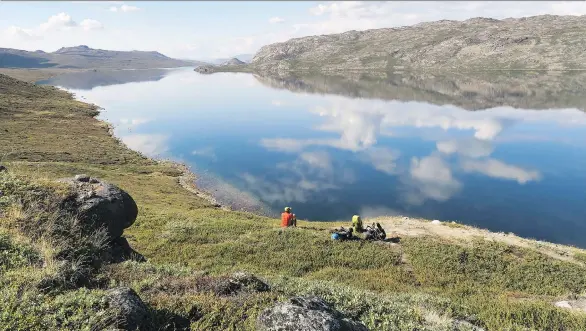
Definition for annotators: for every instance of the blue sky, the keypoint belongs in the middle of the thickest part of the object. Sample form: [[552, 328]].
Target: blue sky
[[204, 30]]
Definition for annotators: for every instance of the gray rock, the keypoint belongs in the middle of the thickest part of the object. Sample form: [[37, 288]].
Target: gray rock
[[305, 314], [131, 312], [102, 204], [232, 285], [248, 281], [578, 304], [82, 178], [563, 304], [205, 69]]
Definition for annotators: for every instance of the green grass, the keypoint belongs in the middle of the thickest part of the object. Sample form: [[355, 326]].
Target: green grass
[[423, 283]]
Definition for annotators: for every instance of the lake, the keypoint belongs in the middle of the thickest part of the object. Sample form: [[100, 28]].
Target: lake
[[503, 152]]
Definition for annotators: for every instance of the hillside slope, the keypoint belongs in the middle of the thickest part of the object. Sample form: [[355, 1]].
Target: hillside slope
[[83, 57], [422, 281], [539, 42]]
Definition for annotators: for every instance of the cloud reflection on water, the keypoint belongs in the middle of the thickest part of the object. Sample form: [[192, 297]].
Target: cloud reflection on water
[[358, 125]]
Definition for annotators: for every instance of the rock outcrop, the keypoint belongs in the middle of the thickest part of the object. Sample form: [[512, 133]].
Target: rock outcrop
[[305, 314], [540, 42], [98, 203], [130, 311], [207, 69]]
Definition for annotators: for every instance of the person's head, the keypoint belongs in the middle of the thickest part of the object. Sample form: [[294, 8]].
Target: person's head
[[287, 209]]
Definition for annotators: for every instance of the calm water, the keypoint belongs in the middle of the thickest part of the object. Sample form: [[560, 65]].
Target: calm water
[[330, 148]]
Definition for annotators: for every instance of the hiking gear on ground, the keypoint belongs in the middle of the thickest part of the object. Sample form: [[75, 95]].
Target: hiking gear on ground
[[375, 232], [342, 234], [357, 224], [335, 236], [288, 209], [286, 219]]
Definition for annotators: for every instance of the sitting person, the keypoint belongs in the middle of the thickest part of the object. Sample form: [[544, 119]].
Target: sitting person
[[357, 224], [288, 218]]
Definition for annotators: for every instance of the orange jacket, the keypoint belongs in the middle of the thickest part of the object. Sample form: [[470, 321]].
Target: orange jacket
[[286, 219]]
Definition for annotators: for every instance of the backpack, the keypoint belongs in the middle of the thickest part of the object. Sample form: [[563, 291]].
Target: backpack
[[375, 232]]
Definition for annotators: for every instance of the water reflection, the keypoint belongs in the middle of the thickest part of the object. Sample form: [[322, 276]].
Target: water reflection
[[415, 145], [87, 80], [472, 91]]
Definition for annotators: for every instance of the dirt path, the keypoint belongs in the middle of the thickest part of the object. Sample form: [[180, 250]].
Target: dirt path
[[455, 232]]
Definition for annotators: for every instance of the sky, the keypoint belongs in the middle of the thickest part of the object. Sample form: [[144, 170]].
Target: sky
[[210, 30]]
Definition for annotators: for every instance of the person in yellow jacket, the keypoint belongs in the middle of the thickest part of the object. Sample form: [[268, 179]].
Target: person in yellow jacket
[[357, 224]]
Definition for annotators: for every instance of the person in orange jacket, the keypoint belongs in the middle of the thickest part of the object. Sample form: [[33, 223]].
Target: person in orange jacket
[[288, 218]]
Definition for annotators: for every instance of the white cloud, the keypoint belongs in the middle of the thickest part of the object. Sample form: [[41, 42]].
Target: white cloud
[[276, 20], [471, 147], [55, 23], [431, 178], [153, 145], [89, 24], [15, 32], [134, 122], [61, 21], [320, 160], [124, 9], [382, 159], [206, 152], [498, 169]]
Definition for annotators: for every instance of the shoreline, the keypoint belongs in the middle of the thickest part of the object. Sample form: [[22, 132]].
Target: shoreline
[[186, 180]]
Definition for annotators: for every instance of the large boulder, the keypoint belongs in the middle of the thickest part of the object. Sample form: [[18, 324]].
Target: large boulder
[[99, 203], [305, 314], [130, 311]]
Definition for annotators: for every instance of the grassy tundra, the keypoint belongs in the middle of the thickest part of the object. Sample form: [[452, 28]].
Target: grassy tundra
[[423, 283]]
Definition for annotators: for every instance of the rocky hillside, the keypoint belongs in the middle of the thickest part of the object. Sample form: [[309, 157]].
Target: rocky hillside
[[475, 91], [83, 57], [233, 62], [539, 42]]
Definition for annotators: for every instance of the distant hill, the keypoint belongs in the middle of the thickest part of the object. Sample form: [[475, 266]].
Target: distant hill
[[246, 58], [84, 57], [233, 62], [539, 42]]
